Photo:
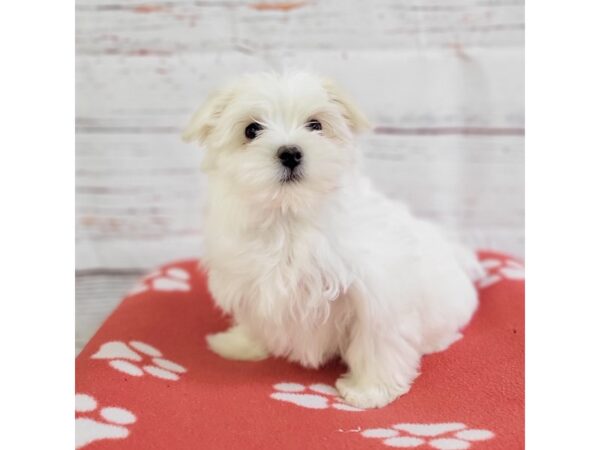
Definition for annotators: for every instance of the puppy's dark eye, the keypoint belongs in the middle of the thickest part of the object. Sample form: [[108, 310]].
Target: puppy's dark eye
[[252, 130], [314, 125]]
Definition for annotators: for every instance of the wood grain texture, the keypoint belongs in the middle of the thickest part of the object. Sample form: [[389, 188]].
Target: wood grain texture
[[175, 27], [98, 293], [441, 80], [401, 89], [145, 194]]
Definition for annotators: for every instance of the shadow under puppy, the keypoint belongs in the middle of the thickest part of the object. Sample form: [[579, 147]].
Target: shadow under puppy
[[310, 260]]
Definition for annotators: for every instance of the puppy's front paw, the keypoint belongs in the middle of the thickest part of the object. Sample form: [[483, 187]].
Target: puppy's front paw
[[366, 394], [236, 344]]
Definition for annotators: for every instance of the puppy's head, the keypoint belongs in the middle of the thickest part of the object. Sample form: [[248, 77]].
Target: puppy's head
[[281, 136]]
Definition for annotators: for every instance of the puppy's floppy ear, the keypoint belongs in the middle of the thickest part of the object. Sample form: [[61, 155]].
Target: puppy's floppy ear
[[203, 121], [356, 119]]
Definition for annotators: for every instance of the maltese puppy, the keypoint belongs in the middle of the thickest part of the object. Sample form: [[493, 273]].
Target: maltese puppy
[[310, 260]]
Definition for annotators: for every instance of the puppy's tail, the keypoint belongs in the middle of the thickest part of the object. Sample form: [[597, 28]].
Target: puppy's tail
[[469, 262]]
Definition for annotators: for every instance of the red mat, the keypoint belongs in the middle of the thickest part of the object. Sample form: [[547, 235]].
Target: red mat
[[147, 381]]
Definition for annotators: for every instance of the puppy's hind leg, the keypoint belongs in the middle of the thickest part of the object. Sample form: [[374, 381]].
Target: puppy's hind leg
[[382, 364], [439, 343], [236, 343]]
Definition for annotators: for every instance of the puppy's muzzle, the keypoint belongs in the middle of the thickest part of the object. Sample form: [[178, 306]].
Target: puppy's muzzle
[[290, 156]]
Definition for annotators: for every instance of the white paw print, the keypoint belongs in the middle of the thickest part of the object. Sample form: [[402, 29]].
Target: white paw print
[[315, 396], [112, 423], [441, 436], [497, 270], [170, 280], [120, 354]]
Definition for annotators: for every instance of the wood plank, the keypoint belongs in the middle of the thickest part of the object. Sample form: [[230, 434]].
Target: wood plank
[[96, 295], [478, 88], [256, 27], [139, 197]]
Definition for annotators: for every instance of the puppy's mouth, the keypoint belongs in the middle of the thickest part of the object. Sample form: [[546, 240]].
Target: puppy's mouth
[[291, 176]]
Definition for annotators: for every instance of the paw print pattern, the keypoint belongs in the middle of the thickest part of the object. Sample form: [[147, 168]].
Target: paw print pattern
[[110, 422], [315, 396], [173, 279], [497, 270], [441, 436], [120, 356]]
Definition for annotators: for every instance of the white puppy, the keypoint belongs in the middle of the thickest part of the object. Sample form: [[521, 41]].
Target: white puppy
[[309, 259]]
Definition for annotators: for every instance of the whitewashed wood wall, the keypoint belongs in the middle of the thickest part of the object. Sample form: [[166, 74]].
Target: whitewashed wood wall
[[442, 80]]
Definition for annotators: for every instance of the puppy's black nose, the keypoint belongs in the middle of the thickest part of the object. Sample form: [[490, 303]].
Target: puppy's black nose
[[289, 155]]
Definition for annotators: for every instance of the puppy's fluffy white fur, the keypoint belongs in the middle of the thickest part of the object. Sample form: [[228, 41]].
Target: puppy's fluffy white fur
[[324, 265]]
